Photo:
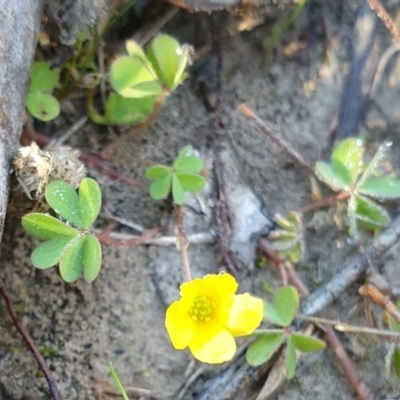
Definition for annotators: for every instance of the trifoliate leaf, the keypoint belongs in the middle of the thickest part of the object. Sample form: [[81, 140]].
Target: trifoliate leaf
[[264, 347], [63, 199], [49, 253], [42, 106], [283, 308], [306, 344], [45, 227], [177, 190], [160, 188], [89, 202], [384, 187], [91, 258], [190, 182], [71, 263]]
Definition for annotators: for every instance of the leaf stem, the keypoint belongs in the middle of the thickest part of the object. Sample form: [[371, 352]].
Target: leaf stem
[[260, 331], [326, 201]]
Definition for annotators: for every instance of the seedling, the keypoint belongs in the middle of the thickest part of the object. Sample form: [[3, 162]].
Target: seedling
[[40, 101], [182, 177], [348, 174], [288, 241], [68, 243], [281, 312], [141, 80]]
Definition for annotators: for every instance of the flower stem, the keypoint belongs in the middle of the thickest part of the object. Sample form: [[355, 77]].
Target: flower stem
[[183, 244]]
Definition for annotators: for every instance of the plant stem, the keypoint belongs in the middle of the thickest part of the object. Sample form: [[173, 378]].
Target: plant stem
[[343, 327], [277, 331], [29, 342], [183, 244], [385, 17], [118, 382], [326, 201]]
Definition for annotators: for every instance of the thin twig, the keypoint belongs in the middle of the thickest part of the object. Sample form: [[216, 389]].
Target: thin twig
[[124, 222], [385, 17], [106, 237], [325, 202], [59, 140], [29, 342], [246, 111], [291, 273], [352, 270], [380, 299], [348, 366], [183, 244]]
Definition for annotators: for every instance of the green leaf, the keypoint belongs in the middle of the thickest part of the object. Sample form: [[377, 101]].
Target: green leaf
[[347, 159], [43, 79], [177, 190], [135, 51], [63, 199], [396, 361], [71, 262], [283, 309], [370, 215], [384, 187], [375, 163], [89, 202], [306, 344], [130, 77], [331, 177], [264, 347], [160, 188], [124, 111], [167, 56], [296, 253], [291, 359], [91, 258], [183, 154], [157, 172], [48, 254], [45, 227], [282, 240], [190, 182], [42, 106], [393, 324], [190, 164], [352, 216]]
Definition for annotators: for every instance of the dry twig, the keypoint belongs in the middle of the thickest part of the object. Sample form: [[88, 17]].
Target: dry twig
[[385, 17]]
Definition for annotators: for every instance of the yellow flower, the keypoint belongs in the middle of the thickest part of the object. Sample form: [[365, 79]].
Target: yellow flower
[[209, 315]]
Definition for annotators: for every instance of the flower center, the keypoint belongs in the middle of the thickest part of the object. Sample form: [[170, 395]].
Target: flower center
[[202, 309]]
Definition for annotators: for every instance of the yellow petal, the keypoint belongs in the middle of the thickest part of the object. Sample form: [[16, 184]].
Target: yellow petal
[[180, 326], [246, 314], [212, 344]]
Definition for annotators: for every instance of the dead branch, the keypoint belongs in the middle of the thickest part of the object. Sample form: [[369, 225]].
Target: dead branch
[[385, 17]]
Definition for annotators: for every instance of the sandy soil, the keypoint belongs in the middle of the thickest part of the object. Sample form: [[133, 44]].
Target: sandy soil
[[120, 317]]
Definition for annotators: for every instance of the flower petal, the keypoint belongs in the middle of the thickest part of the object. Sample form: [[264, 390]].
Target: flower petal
[[180, 326], [212, 344], [246, 314]]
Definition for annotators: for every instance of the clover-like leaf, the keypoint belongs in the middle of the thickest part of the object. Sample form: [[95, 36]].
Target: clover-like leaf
[[131, 78], [49, 253], [160, 188], [369, 214], [283, 308], [157, 172], [43, 78], [135, 51], [177, 190], [306, 344], [71, 262], [45, 227], [288, 241], [89, 202], [190, 182], [264, 347], [42, 106], [291, 359], [189, 164], [168, 59], [347, 159], [64, 200], [91, 258]]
